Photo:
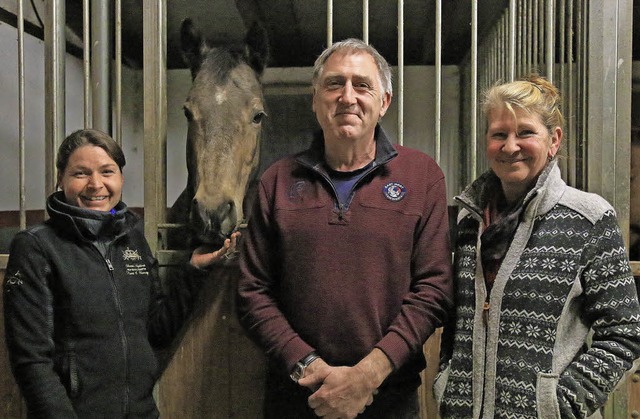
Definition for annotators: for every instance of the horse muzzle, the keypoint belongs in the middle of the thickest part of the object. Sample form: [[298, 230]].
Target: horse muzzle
[[212, 225]]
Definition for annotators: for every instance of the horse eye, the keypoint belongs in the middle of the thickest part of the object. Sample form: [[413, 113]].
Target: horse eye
[[258, 117], [187, 113]]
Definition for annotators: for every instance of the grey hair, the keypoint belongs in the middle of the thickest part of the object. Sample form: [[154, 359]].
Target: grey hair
[[353, 45]]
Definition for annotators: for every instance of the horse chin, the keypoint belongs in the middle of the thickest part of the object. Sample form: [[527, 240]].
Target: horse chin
[[210, 238]]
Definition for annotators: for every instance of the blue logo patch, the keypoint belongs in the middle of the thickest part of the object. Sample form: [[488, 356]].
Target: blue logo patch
[[394, 191]]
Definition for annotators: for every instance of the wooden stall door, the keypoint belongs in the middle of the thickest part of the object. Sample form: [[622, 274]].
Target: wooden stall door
[[216, 371]]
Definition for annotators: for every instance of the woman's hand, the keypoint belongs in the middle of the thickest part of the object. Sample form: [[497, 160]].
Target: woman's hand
[[203, 257]]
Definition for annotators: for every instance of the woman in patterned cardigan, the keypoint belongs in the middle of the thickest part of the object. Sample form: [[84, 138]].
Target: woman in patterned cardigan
[[547, 319]]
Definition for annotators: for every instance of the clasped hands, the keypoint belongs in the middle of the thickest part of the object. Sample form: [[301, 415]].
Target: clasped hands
[[344, 392]]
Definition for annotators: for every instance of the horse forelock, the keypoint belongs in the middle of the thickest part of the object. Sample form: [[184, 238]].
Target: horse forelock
[[219, 62]]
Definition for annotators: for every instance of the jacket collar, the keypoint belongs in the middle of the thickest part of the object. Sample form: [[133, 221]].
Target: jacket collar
[[87, 224], [313, 157], [546, 193]]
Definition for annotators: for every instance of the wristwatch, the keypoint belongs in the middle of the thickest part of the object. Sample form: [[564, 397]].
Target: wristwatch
[[298, 370]]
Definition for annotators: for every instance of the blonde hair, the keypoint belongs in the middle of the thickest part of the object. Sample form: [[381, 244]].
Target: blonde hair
[[533, 94]]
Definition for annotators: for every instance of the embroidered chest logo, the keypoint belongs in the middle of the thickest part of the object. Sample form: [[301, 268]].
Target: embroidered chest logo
[[394, 191], [297, 190], [129, 254], [15, 279], [132, 269]]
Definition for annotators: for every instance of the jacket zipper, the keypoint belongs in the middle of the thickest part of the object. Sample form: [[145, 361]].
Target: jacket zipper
[[343, 207], [123, 336]]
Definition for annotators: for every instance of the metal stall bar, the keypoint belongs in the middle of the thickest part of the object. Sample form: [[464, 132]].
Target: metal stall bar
[[401, 72], [86, 61], [562, 45], [520, 40], [21, 115], [581, 37], [365, 21], [54, 84], [100, 47], [474, 89], [530, 35], [541, 31], [117, 126], [535, 35], [609, 103], [438, 72], [155, 117], [550, 39], [329, 23], [512, 40], [570, 103]]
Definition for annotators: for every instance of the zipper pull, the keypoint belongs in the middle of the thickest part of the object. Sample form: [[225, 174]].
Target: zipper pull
[[485, 312], [109, 265]]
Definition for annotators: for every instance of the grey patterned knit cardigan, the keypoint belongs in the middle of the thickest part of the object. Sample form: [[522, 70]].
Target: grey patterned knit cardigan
[[565, 281]]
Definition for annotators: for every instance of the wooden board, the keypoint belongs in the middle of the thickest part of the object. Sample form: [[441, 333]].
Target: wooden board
[[216, 371]]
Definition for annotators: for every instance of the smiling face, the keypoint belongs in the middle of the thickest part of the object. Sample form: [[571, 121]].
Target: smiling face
[[91, 179], [518, 148], [348, 98]]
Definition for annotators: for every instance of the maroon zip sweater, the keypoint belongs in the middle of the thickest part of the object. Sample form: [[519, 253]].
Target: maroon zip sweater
[[342, 281]]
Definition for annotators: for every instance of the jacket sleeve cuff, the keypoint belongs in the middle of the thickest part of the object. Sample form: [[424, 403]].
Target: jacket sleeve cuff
[[295, 350], [395, 348]]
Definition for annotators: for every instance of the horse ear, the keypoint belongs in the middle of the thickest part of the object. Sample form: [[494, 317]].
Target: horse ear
[[257, 50], [192, 44]]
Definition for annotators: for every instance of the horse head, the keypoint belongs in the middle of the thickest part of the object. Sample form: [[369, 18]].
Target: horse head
[[225, 108]]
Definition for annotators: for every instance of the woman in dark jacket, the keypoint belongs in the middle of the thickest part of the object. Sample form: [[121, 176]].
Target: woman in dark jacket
[[83, 303]]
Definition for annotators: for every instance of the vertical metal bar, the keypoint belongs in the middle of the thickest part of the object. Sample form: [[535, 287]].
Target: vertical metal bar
[[520, 36], [117, 128], [550, 38], [474, 88], [100, 63], [562, 44], [571, 101], [512, 40], [535, 36], [365, 21], [531, 37], [86, 60], [438, 78], [329, 23], [54, 47], [155, 116], [21, 115], [581, 37], [401, 72]]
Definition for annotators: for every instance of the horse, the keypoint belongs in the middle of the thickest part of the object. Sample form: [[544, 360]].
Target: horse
[[213, 368], [224, 109]]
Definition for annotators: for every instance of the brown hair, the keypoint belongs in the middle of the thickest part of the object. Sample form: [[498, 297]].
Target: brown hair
[[84, 137]]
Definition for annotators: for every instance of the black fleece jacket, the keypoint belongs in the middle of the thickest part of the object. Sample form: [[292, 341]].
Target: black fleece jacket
[[84, 308]]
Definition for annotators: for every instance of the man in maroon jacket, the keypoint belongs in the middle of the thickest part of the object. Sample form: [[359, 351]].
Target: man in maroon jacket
[[346, 262]]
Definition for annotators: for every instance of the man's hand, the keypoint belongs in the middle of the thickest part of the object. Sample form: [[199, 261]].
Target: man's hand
[[345, 392], [203, 257]]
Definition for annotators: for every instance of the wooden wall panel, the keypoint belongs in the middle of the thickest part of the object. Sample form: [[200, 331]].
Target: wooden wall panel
[[216, 371]]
